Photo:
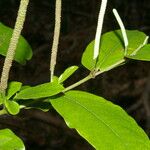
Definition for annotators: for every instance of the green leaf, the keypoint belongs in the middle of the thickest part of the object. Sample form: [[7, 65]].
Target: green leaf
[[12, 107], [67, 73], [13, 88], [40, 91], [9, 141], [55, 79], [25, 87], [112, 50], [23, 51], [101, 123], [141, 54]]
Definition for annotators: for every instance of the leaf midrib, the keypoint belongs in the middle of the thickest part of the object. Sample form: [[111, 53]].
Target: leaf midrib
[[94, 115], [109, 52]]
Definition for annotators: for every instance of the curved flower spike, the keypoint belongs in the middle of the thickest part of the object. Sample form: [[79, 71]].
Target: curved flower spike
[[123, 30]]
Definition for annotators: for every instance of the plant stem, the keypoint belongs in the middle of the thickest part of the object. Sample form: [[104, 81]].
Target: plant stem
[[90, 76], [3, 112], [13, 44], [56, 37], [77, 83]]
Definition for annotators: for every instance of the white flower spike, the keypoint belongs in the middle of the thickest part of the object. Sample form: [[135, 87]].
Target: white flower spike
[[99, 28], [123, 30]]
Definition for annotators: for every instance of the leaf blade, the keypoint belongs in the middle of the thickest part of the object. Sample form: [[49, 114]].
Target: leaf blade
[[143, 54], [23, 50], [40, 91], [98, 121], [9, 141], [111, 50], [67, 73], [12, 107], [13, 87]]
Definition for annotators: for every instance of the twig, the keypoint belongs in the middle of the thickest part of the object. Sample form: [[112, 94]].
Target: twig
[[90, 76]]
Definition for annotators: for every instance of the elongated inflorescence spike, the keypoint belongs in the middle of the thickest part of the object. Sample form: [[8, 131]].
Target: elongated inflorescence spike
[[56, 37], [123, 30], [99, 28], [13, 44]]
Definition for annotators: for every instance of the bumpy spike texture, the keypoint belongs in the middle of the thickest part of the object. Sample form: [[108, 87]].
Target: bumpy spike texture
[[56, 37], [13, 44]]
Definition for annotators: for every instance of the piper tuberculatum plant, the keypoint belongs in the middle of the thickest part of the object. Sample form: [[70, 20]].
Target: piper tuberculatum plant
[[103, 124]]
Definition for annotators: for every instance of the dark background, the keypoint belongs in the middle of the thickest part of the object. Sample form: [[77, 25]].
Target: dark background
[[127, 86]]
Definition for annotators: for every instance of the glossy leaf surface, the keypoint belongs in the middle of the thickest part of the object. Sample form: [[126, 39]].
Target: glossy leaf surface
[[23, 51], [12, 107], [13, 87], [104, 125], [9, 141], [142, 54], [40, 91], [112, 49], [67, 73]]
